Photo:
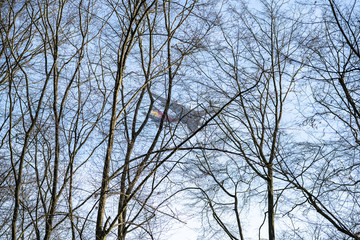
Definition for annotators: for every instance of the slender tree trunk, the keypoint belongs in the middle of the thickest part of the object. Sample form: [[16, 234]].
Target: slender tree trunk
[[270, 189], [53, 202], [100, 233]]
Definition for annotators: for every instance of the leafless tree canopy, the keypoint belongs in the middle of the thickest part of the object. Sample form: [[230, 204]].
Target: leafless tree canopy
[[127, 119]]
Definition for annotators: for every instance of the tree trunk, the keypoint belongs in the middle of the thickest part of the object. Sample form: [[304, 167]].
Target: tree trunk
[[270, 190]]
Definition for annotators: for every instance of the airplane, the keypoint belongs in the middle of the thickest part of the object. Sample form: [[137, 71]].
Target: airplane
[[156, 116], [192, 118]]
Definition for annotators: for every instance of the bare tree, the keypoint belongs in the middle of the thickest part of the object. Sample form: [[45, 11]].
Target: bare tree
[[41, 89], [253, 49], [156, 38], [77, 82], [97, 111], [332, 168]]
